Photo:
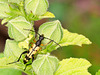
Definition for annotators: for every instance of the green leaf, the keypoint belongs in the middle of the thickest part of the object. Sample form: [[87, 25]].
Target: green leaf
[[4, 61], [4, 64], [4, 1], [10, 72], [37, 7], [98, 73], [4, 9], [51, 30], [15, 1], [45, 65], [73, 39], [5, 20], [1, 55], [6, 69], [73, 66], [12, 49], [25, 43], [47, 15], [15, 11], [12, 53], [16, 28]]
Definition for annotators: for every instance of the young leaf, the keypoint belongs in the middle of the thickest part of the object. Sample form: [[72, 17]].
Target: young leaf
[[47, 15], [25, 43], [3, 0], [12, 49], [10, 72], [4, 9], [4, 65], [1, 55], [45, 65], [15, 11], [5, 71], [51, 30], [5, 20], [12, 53], [98, 73], [73, 66], [37, 7], [73, 39], [4, 61], [15, 1], [16, 28]]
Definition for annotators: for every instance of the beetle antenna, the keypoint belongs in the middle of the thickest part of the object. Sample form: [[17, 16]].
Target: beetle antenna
[[53, 41], [32, 31]]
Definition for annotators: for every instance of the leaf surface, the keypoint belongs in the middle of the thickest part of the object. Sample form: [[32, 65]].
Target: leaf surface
[[12, 49], [47, 15], [45, 65], [4, 9], [73, 66], [15, 1], [73, 39], [98, 73], [53, 31], [12, 53], [5, 71], [10, 72], [16, 28], [38, 7]]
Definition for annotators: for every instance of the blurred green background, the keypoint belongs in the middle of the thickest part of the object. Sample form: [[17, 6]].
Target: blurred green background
[[78, 16], [82, 17]]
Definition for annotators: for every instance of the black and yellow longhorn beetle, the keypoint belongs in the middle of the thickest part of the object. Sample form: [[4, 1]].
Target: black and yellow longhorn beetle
[[33, 50]]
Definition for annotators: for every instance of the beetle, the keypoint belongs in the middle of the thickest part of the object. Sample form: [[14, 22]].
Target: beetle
[[34, 48]]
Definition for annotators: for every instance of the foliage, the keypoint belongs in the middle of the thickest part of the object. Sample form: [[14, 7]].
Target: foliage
[[77, 67], [8, 71], [20, 15], [98, 73]]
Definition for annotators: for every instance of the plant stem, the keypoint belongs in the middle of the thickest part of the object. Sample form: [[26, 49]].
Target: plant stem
[[21, 7]]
